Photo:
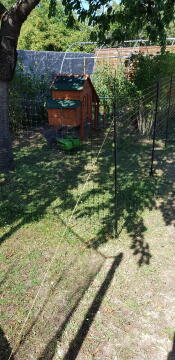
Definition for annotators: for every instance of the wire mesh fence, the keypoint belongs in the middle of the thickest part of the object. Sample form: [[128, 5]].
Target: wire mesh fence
[[59, 178], [125, 147], [144, 129], [60, 202], [78, 199]]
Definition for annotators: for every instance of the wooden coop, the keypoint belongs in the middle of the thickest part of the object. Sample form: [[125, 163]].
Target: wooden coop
[[74, 102]]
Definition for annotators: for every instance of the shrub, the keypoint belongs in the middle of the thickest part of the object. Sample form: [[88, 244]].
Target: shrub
[[27, 99], [112, 84], [147, 70]]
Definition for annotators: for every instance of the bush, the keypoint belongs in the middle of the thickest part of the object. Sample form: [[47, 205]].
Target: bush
[[147, 70], [27, 100], [112, 85]]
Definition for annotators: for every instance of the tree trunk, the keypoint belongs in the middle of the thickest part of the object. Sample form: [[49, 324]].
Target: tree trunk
[[6, 157], [11, 22]]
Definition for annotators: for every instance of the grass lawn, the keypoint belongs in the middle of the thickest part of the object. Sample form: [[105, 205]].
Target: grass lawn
[[36, 203]]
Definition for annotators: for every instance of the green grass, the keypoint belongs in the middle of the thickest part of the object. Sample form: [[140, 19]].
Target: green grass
[[37, 200]]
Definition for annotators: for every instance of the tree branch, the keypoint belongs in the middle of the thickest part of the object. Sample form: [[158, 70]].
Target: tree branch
[[24, 7], [2, 8]]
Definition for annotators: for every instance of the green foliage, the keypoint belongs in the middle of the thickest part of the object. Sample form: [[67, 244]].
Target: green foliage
[[40, 32], [8, 3], [128, 19], [108, 22], [114, 84], [52, 8], [28, 85], [148, 69], [136, 98], [27, 99]]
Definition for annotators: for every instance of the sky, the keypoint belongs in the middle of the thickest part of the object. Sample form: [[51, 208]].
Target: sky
[[84, 2]]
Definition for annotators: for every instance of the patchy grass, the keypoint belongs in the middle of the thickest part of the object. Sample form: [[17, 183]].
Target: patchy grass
[[136, 317], [36, 203]]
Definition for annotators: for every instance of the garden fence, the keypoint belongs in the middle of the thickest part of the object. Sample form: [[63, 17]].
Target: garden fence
[[58, 203], [116, 161], [144, 134]]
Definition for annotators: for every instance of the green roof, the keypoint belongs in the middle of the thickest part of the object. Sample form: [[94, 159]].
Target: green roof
[[68, 83], [63, 104]]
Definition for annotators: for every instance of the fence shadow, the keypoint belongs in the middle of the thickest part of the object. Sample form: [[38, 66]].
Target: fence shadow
[[76, 344], [5, 348], [49, 351], [171, 355], [66, 295]]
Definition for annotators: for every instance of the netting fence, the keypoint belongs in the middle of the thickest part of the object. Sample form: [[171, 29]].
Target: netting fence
[[144, 133], [82, 197], [127, 146]]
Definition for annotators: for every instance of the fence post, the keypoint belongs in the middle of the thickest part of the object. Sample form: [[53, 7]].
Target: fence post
[[84, 65], [115, 165], [154, 128], [168, 114]]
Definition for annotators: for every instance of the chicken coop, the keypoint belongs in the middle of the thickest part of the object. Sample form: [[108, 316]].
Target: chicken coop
[[73, 103]]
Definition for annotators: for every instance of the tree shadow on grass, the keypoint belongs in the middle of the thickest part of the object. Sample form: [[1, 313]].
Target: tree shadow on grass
[[135, 194], [166, 164], [48, 180], [5, 348], [41, 177], [167, 190], [45, 177]]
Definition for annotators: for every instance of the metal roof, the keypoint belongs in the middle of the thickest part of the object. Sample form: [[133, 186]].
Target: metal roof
[[63, 104]]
